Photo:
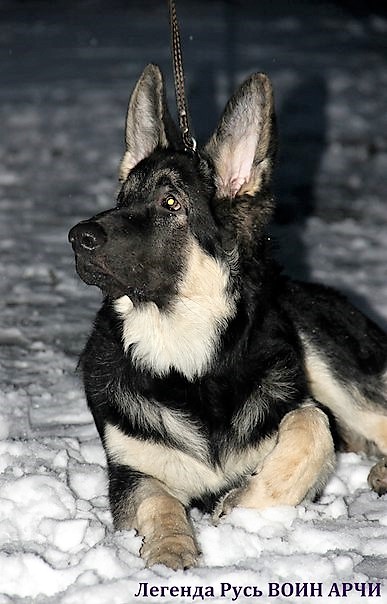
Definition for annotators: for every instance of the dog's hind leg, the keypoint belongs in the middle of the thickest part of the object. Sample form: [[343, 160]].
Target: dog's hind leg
[[374, 426], [296, 468], [361, 422], [377, 478]]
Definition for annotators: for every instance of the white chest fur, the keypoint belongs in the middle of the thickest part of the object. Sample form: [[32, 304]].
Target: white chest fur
[[185, 336], [182, 475]]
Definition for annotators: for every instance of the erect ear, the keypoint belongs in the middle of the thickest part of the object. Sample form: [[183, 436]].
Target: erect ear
[[243, 145], [148, 123]]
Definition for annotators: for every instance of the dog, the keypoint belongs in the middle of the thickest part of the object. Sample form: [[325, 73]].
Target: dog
[[214, 380]]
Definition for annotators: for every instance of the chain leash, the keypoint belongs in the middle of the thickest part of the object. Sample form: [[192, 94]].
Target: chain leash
[[178, 73]]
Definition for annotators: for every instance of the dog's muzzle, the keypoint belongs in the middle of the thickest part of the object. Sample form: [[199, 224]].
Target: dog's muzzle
[[87, 236]]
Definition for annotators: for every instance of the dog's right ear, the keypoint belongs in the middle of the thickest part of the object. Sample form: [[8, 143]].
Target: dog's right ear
[[148, 122]]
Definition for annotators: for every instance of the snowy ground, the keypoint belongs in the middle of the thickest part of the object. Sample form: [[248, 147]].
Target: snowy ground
[[66, 72]]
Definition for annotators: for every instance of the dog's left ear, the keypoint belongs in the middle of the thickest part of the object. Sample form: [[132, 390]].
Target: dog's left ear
[[148, 122], [243, 145]]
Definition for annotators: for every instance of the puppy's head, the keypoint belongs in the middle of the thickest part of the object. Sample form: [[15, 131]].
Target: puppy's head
[[172, 202]]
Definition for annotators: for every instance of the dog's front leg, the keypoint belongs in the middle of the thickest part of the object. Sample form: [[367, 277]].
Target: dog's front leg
[[296, 468], [168, 536], [141, 502]]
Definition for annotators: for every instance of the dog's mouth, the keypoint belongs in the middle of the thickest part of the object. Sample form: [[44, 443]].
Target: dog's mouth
[[98, 273]]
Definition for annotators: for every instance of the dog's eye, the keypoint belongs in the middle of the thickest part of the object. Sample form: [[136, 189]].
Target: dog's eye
[[171, 203]]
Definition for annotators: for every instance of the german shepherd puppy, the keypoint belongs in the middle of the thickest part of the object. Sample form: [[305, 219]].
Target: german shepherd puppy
[[214, 380]]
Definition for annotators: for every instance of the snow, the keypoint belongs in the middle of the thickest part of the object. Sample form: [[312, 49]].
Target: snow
[[67, 70]]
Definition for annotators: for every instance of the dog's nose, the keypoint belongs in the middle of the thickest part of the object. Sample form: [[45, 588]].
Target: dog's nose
[[87, 236]]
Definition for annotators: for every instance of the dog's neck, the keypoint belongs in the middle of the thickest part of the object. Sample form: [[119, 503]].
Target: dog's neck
[[185, 337]]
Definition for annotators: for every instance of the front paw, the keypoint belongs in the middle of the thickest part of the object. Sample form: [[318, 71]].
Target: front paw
[[178, 552], [231, 500], [377, 478]]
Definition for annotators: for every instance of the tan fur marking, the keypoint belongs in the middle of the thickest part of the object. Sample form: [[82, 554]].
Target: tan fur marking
[[168, 536], [352, 410], [375, 426], [182, 475], [125, 513], [185, 336], [151, 414], [298, 466]]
